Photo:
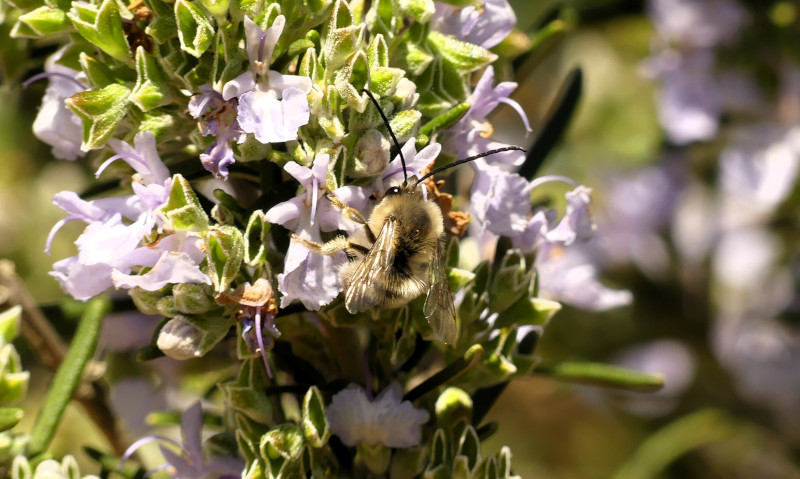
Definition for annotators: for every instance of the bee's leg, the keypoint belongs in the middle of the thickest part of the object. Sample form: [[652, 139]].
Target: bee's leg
[[337, 245], [353, 215]]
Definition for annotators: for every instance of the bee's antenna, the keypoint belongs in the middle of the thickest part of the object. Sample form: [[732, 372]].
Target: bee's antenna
[[394, 138], [467, 160]]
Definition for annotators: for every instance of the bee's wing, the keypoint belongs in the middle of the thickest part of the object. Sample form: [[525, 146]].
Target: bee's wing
[[439, 307], [365, 290]]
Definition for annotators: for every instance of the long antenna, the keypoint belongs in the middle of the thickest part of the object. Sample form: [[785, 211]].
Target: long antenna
[[467, 160], [394, 138]]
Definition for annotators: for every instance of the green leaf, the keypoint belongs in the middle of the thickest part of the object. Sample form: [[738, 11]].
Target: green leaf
[[405, 124], [13, 379], [466, 57], [676, 439], [195, 30], [281, 449], [183, 209], [163, 26], [218, 8], [315, 425], [102, 27], [9, 323], [555, 124], [100, 111], [246, 394], [600, 374], [228, 58], [9, 417], [40, 22], [529, 311], [344, 37], [256, 238], [152, 89], [351, 78], [471, 358], [68, 375], [225, 252], [419, 10], [445, 120], [97, 73], [510, 282]]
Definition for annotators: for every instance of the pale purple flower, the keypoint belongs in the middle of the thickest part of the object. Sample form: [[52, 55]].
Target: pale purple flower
[[689, 97], [568, 275], [219, 120], [272, 106], [467, 137], [386, 420], [500, 201], [761, 166], [55, 124], [307, 277], [761, 355], [191, 462], [638, 206], [117, 238], [541, 230], [699, 23], [485, 24]]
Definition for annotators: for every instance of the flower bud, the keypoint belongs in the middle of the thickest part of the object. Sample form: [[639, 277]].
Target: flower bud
[[405, 92], [146, 301], [372, 154], [178, 338], [452, 406], [166, 307], [193, 298]]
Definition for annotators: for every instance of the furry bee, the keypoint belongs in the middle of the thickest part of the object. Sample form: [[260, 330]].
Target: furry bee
[[399, 252]]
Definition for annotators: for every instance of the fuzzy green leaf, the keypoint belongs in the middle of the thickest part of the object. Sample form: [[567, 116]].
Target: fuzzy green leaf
[[40, 22], [195, 30], [152, 90], [100, 111], [102, 27]]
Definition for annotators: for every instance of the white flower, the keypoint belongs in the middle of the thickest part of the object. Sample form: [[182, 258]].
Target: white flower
[[386, 420]]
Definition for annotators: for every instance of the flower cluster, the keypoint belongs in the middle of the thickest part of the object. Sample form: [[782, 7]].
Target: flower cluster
[[249, 138]]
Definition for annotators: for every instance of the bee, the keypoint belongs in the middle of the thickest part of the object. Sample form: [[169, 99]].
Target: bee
[[398, 254]]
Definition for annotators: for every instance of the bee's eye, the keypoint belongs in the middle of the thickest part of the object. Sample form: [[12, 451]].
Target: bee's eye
[[394, 190]]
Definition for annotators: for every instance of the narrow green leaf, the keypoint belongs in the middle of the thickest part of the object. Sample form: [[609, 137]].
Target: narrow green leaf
[[446, 119], [600, 374], [558, 119], [68, 375], [471, 358], [676, 439]]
